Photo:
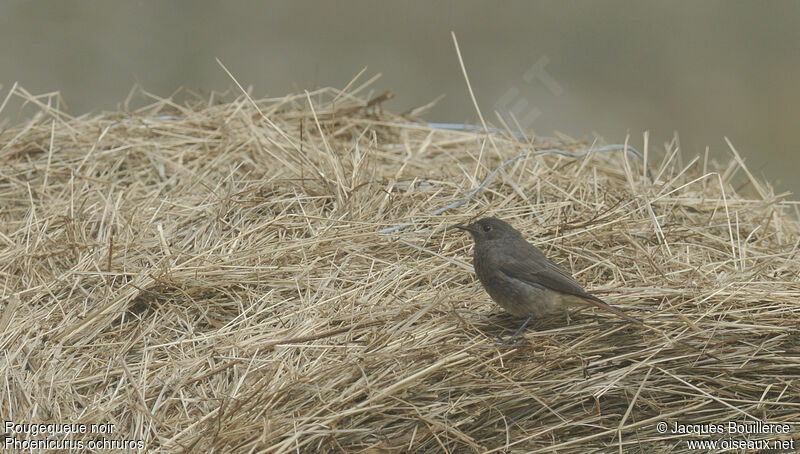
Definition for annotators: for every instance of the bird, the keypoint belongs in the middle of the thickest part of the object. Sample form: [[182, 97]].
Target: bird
[[521, 279]]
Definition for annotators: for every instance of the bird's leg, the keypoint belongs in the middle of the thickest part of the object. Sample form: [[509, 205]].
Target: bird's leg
[[511, 339], [566, 314]]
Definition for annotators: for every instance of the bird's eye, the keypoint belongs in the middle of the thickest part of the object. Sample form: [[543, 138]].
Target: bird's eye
[[486, 228]]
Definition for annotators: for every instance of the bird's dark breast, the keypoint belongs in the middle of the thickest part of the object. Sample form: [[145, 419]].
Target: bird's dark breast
[[518, 297], [497, 285], [482, 265]]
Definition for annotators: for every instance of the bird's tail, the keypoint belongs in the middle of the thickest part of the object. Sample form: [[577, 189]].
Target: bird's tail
[[592, 300]]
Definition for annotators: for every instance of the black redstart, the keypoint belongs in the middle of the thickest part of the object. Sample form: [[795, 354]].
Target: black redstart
[[518, 276]]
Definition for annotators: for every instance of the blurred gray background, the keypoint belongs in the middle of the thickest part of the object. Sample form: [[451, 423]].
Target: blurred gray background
[[702, 69]]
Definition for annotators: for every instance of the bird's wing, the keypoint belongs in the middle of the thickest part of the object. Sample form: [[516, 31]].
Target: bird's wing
[[520, 264], [548, 275]]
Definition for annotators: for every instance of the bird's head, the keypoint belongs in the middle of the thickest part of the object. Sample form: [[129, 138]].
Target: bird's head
[[488, 229]]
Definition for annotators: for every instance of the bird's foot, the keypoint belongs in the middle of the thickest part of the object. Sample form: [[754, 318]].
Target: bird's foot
[[511, 340], [503, 342]]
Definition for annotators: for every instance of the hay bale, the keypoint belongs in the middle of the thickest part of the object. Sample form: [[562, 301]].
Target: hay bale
[[212, 276]]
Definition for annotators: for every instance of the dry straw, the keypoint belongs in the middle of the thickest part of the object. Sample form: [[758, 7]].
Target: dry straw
[[211, 277]]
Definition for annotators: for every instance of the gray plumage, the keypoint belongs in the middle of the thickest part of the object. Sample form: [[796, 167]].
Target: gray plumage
[[518, 276]]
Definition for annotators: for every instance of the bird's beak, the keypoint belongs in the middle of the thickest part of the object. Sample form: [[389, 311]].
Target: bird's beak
[[468, 228]]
